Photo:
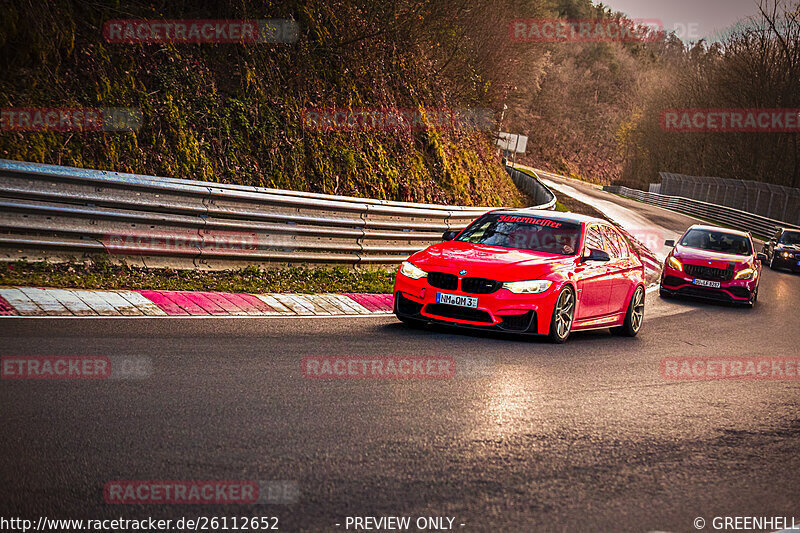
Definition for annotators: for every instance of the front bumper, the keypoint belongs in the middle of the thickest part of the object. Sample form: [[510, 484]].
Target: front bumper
[[501, 310], [790, 262], [679, 283]]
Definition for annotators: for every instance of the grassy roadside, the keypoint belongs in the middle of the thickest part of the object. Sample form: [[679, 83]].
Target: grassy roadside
[[101, 275]]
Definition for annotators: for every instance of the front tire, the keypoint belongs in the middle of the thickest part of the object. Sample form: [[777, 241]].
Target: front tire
[[563, 313], [753, 299], [634, 318]]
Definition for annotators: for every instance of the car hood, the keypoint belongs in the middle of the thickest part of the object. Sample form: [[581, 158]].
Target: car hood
[[693, 256], [485, 261], [789, 247]]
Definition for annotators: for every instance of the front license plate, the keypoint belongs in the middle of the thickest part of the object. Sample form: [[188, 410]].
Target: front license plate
[[706, 283], [455, 299]]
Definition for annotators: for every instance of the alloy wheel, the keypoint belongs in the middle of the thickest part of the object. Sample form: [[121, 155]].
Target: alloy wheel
[[564, 312], [637, 315]]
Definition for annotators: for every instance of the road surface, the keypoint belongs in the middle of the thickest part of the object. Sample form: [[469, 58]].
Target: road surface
[[586, 436]]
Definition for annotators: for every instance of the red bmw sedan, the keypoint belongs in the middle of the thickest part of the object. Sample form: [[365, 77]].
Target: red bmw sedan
[[713, 263], [526, 271]]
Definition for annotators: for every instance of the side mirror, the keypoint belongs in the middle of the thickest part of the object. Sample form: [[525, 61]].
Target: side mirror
[[450, 234], [762, 257], [669, 242], [593, 254]]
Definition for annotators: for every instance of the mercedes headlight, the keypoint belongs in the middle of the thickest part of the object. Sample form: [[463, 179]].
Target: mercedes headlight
[[674, 263], [410, 271], [531, 286], [745, 273]]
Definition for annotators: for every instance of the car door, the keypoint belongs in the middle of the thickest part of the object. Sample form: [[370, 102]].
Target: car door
[[619, 270], [592, 279]]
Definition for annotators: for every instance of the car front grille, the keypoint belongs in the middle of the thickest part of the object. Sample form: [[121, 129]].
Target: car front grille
[[710, 273], [480, 285], [459, 313], [442, 280]]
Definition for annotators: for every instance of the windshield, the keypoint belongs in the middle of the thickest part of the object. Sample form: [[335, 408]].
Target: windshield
[[524, 233], [790, 237], [717, 241]]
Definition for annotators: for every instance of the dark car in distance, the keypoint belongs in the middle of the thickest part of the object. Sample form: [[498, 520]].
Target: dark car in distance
[[783, 249]]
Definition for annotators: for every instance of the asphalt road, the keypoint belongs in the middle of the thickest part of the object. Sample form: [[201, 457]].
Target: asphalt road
[[585, 436], [652, 223]]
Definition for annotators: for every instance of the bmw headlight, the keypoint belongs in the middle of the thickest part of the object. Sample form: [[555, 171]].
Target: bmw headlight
[[410, 271], [745, 273], [674, 263], [786, 254], [531, 286]]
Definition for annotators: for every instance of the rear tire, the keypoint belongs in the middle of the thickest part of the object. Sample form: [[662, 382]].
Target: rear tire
[[634, 318], [563, 314]]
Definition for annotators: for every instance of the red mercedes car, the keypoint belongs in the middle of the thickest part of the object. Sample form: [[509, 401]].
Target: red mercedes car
[[526, 271], [713, 263]]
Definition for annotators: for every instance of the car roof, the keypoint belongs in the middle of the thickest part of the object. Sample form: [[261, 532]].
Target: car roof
[[560, 216], [720, 229]]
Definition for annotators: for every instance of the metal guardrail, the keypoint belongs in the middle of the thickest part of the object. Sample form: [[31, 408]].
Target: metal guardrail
[[765, 199], [721, 214], [58, 213], [528, 182]]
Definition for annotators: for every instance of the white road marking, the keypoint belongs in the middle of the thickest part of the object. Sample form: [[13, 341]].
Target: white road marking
[[293, 304], [46, 301], [183, 317], [24, 305], [335, 306], [322, 304], [143, 304], [95, 300], [119, 303], [275, 304], [71, 302], [341, 304], [350, 303]]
